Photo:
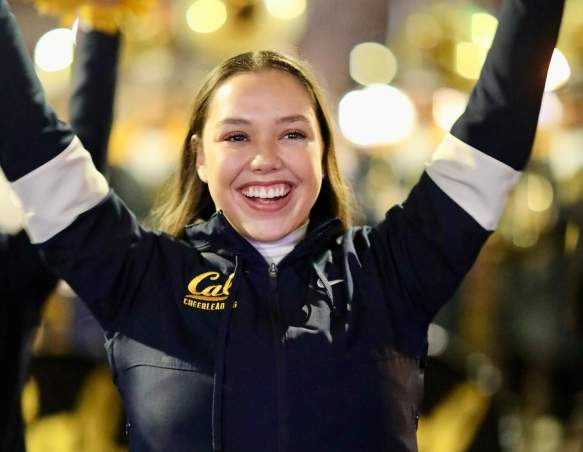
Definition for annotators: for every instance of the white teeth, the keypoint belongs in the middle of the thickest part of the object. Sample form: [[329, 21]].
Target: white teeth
[[266, 193]]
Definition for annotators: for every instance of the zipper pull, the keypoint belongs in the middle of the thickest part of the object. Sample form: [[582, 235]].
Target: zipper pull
[[273, 270]]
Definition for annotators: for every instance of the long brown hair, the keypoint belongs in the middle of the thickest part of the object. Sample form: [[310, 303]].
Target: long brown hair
[[186, 199]]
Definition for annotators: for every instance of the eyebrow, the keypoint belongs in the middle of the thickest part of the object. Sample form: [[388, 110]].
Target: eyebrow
[[284, 119], [293, 118], [233, 121]]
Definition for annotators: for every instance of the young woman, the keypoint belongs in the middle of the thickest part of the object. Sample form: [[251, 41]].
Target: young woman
[[25, 282], [261, 321]]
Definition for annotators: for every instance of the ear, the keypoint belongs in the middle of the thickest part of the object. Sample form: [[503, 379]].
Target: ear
[[196, 147]]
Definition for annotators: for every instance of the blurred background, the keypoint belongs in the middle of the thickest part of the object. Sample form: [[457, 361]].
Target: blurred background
[[506, 367]]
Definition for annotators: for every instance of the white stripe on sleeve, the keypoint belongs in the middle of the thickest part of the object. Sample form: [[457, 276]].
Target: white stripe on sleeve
[[478, 183], [57, 192]]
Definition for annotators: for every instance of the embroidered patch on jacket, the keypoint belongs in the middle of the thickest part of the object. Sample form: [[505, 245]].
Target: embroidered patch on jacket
[[209, 291]]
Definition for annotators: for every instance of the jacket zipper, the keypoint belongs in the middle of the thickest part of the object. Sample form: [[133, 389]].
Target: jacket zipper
[[279, 342]]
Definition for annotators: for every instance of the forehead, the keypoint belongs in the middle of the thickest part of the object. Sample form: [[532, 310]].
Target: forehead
[[270, 93]]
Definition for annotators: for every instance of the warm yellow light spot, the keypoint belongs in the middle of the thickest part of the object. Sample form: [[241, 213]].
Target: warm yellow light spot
[[448, 105], [525, 239], [371, 62], [453, 423], [469, 59], [559, 71], [539, 193], [483, 29], [376, 115], [286, 9], [571, 237], [206, 16], [54, 50], [30, 401], [423, 31]]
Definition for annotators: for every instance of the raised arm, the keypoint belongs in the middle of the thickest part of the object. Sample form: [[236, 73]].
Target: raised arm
[[502, 114], [34, 140], [434, 238], [91, 112], [31, 134], [94, 83], [84, 230], [25, 282]]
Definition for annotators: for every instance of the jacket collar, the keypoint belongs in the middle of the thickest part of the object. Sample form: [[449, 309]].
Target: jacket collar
[[217, 235]]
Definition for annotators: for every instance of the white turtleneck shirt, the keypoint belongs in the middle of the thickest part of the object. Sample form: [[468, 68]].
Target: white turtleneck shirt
[[274, 252]]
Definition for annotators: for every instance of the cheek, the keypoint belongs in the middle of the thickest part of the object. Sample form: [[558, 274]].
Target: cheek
[[309, 170], [214, 170], [219, 167]]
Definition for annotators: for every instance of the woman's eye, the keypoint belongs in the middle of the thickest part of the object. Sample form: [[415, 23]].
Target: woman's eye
[[235, 137], [294, 135]]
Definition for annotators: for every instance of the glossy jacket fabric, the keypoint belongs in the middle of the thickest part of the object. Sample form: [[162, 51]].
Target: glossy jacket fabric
[[211, 348], [25, 282]]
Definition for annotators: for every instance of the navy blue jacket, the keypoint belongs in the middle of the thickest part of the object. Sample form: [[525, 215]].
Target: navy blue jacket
[[213, 349], [25, 282]]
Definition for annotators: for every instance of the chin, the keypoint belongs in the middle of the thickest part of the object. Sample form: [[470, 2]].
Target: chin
[[268, 231], [269, 235]]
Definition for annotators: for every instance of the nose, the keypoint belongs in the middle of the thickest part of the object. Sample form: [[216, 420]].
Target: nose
[[266, 158]]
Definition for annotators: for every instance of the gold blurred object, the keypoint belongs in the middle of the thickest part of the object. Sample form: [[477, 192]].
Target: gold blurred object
[[54, 433], [244, 25], [107, 16], [241, 7], [572, 234], [453, 424], [30, 401], [53, 334], [90, 427], [100, 412]]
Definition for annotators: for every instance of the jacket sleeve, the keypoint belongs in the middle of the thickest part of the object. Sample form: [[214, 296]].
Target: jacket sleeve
[[93, 91], [24, 280], [433, 239], [88, 236], [24, 275]]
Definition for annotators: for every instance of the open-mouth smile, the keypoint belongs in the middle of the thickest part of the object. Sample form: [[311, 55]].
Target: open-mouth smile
[[272, 196]]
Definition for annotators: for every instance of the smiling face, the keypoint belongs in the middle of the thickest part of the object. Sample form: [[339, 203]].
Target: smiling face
[[261, 153]]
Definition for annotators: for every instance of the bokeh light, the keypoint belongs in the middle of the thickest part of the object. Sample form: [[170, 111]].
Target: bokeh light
[[206, 16], [448, 105], [371, 63], [572, 234], [551, 112], [285, 9], [469, 59], [54, 50], [423, 31], [559, 71], [483, 29], [438, 340], [565, 157], [376, 115], [539, 194]]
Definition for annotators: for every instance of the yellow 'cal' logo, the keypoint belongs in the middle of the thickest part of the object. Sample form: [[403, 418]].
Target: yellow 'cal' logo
[[207, 292]]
